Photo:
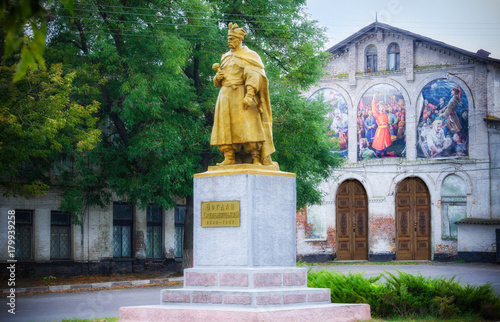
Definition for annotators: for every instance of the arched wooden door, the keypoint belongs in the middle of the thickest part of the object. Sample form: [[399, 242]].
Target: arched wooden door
[[413, 220], [352, 221]]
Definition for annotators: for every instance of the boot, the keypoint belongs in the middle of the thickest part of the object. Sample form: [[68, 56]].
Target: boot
[[267, 160], [256, 157], [228, 158]]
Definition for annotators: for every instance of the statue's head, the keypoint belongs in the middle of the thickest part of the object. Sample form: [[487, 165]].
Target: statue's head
[[235, 35]]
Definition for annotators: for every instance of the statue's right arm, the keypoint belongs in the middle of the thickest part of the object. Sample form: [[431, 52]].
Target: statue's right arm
[[219, 77]]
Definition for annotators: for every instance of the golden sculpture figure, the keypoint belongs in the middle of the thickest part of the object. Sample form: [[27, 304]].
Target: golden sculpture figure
[[242, 122]]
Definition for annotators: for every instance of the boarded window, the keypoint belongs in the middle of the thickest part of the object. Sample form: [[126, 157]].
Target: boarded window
[[454, 202]]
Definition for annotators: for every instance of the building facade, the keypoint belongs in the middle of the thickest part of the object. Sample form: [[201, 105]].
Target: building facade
[[119, 238], [417, 122]]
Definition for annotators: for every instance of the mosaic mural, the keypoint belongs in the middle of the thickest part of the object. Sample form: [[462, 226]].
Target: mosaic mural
[[443, 126], [381, 123], [337, 116]]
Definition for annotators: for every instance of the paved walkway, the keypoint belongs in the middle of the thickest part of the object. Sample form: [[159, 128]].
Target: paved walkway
[[86, 287], [470, 273]]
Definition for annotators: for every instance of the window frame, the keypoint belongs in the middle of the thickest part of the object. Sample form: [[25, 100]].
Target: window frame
[[54, 224], [150, 222], [19, 227], [394, 49], [120, 222], [371, 56], [179, 222], [452, 199]]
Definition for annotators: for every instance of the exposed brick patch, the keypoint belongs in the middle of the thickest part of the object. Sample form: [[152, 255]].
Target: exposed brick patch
[[383, 228], [201, 279], [234, 279], [446, 249], [267, 279], [294, 298], [306, 229], [331, 238], [319, 297], [301, 217], [294, 279], [207, 298], [301, 221], [175, 298], [238, 299], [269, 299]]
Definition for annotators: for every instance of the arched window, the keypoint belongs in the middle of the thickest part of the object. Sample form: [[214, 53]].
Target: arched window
[[454, 201], [393, 57], [371, 59]]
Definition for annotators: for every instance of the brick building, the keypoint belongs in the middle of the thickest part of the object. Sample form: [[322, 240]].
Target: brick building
[[418, 123], [119, 238]]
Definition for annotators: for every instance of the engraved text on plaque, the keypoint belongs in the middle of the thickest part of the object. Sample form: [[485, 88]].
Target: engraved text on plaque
[[220, 214]]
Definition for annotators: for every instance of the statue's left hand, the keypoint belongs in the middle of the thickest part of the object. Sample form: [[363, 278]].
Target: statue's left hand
[[247, 102]]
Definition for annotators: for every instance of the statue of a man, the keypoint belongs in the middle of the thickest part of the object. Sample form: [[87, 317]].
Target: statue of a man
[[242, 122]]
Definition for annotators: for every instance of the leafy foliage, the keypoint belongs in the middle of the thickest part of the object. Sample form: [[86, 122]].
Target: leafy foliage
[[149, 65], [14, 17], [302, 147], [407, 295], [40, 126]]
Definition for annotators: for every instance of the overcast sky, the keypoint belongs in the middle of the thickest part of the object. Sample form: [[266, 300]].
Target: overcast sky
[[467, 24]]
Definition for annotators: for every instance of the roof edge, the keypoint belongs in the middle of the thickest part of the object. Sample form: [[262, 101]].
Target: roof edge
[[411, 34]]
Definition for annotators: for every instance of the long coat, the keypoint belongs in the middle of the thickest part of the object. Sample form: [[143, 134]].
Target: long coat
[[234, 124], [453, 122], [382, 138]]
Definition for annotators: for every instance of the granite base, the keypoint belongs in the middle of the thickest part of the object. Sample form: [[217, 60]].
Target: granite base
[[325, 312]]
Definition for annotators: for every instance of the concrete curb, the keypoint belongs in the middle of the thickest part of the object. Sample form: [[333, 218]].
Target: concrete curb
[[56, 288]]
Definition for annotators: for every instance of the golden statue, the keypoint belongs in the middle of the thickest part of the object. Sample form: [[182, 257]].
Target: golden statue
[[242, 122]]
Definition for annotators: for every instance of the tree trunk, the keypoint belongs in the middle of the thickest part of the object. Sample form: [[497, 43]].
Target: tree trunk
[[187, 251]]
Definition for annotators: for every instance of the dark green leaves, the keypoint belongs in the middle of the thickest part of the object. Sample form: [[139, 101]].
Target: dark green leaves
[[24, 26]]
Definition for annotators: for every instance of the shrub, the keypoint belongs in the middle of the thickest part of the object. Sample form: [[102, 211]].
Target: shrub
[[407, 295]]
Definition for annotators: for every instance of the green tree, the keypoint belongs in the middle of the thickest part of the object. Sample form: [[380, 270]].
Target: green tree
[[39, 127], [17, 17], [152, 123], [151, 63]]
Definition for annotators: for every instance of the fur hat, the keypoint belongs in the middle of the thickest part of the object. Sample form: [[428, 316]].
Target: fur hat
[[236, 31]]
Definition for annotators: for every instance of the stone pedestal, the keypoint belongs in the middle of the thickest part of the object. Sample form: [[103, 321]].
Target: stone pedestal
[[245, 271], [266, 234]]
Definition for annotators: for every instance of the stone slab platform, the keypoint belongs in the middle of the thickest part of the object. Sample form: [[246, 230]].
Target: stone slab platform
[[327, 312], [255, 277], [245, 297]]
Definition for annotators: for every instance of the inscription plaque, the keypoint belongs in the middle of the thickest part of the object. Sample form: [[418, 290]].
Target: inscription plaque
[[220, 214]]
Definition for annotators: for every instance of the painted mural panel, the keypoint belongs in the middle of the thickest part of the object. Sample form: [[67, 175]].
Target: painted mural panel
[[381, 123], [443, 126], [337, 116]]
